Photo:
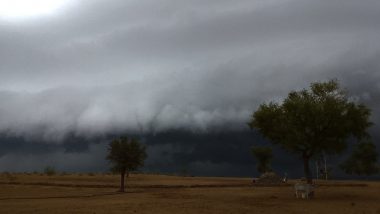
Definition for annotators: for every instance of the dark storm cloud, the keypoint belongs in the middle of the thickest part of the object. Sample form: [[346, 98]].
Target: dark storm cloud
[[148, 67], [173, 152]]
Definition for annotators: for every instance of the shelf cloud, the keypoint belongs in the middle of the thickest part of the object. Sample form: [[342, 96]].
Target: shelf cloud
[[100, 68]]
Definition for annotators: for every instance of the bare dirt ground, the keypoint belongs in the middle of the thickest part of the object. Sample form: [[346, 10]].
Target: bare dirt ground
[[21, 193]]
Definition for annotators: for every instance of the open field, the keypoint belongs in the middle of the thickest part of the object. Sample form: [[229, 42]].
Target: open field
[[20, 193]]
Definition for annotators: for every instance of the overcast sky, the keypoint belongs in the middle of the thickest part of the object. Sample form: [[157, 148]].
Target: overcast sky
[[98, 67]]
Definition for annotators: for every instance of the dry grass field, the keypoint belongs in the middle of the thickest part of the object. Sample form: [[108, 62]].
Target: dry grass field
[[22, 193]]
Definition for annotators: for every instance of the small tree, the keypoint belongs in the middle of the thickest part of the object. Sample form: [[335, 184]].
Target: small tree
[[264, 157], [125, 155], [311, 122], [49, 170], [363, 160]]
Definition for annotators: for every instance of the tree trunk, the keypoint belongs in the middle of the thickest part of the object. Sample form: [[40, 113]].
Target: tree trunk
[[306, 169], [122, 179]]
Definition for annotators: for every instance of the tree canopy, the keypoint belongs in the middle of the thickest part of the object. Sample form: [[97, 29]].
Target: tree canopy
[[264, 157], [363, 160], [125, 154], [313, 121]]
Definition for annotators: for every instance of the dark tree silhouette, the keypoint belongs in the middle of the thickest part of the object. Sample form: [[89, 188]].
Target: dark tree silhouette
[[125, 155], [363, 160], [311, 122], [264, 157]]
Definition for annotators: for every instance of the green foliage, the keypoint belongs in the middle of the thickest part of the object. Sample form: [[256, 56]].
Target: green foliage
[[363, 160], [49, 170], [126, 154], [264, 157], [311, 122]]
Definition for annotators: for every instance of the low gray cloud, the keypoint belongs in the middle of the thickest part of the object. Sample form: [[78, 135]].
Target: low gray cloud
[[90, 161]]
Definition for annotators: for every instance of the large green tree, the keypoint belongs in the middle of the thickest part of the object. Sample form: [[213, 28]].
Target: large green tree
[[125, 155], [313, 121], [263, 157], [363, 160]]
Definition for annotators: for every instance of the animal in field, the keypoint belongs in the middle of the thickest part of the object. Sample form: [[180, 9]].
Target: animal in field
[[304, 190]]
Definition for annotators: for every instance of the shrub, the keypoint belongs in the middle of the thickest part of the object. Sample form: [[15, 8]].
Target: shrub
[[49, 170]]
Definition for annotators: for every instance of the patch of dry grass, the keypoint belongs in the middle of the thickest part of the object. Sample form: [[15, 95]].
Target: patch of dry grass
[[331, 197], [112, 181]]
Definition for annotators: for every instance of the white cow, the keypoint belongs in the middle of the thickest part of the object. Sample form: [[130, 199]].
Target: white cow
[[304, 190]]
